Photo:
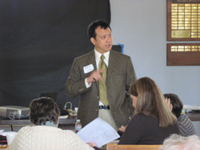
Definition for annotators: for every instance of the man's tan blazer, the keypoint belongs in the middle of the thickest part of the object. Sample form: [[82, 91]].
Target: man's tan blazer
[[120, 76]]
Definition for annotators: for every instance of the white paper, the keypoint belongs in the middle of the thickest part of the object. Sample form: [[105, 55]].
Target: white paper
[[63, 117], [99, 132], [7, 132], [1, 131], [191, 107], [10, 137]]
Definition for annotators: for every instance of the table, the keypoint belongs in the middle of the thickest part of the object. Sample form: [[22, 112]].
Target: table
[[68, 123], [194, 116]]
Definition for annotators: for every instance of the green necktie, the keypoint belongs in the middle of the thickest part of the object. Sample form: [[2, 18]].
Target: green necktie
[[102, 83]]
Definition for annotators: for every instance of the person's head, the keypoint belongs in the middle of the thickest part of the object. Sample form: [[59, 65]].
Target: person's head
[[44, 109], [149, 100], [176, 103], [177, 142], [99, 33]]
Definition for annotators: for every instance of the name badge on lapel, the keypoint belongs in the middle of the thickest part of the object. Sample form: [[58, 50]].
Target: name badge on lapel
[[88, 68]]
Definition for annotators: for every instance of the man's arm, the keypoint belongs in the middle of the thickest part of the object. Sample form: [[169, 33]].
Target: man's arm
[[131, 78], [76, 83]]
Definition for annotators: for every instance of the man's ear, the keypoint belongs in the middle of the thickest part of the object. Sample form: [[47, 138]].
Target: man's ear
[[93, 40]]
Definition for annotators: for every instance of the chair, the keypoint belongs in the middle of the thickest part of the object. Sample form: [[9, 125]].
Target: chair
[[117, 48], [111, 146]]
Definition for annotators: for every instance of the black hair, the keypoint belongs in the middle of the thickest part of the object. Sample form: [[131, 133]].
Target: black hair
[[176, 103], [92, 27]]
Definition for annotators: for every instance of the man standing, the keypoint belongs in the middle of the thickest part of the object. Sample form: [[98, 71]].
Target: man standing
[[102, 78]]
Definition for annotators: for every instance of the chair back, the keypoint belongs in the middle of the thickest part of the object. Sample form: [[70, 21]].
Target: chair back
[[111, 146]]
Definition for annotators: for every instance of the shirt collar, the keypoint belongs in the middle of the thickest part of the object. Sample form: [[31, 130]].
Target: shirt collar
[[98, 55], [49, 123]]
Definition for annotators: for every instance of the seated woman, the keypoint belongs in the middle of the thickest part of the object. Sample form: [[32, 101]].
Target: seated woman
[[45, 135], [152, 121], [177, 142], [185, 125]]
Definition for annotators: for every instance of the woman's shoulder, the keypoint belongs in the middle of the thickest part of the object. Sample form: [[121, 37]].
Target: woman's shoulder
[[144, 118], [139, 115], [69, 132], [142, 115], [38, 128], [183, 118]]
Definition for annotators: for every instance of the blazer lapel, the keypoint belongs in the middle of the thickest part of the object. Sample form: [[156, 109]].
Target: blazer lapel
[[91, 60], [112, 64]]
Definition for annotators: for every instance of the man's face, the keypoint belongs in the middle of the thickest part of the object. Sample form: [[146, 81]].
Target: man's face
[[103, 41]]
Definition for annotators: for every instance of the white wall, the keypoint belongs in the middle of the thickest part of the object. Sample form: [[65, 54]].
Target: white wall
[[141, 26]]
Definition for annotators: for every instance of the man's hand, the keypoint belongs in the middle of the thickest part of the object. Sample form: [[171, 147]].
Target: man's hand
[[94, 76]]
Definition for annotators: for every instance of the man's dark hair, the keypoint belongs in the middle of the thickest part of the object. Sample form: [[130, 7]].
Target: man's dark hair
[[44, 109], [176, 103], [92, 27]]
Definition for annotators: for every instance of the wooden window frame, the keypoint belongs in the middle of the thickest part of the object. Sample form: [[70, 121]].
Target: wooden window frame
[[182, 58], [169, 22]]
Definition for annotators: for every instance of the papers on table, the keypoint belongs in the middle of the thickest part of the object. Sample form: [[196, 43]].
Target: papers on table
[[99, 132], [63, 117], [191, 107], [1, 131], [7, 132]]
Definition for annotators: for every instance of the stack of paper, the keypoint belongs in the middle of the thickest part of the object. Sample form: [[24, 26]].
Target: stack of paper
[[99, 132]]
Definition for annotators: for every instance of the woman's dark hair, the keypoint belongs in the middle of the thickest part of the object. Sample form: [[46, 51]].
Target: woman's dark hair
[[92, 27], [44, 109], [176, 103]]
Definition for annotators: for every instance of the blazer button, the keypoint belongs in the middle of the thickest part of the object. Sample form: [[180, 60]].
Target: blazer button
[[81, 89], [96, 109]]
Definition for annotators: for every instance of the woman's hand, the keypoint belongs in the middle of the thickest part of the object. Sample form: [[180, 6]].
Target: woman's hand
[[91, 144], [122, 128]]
